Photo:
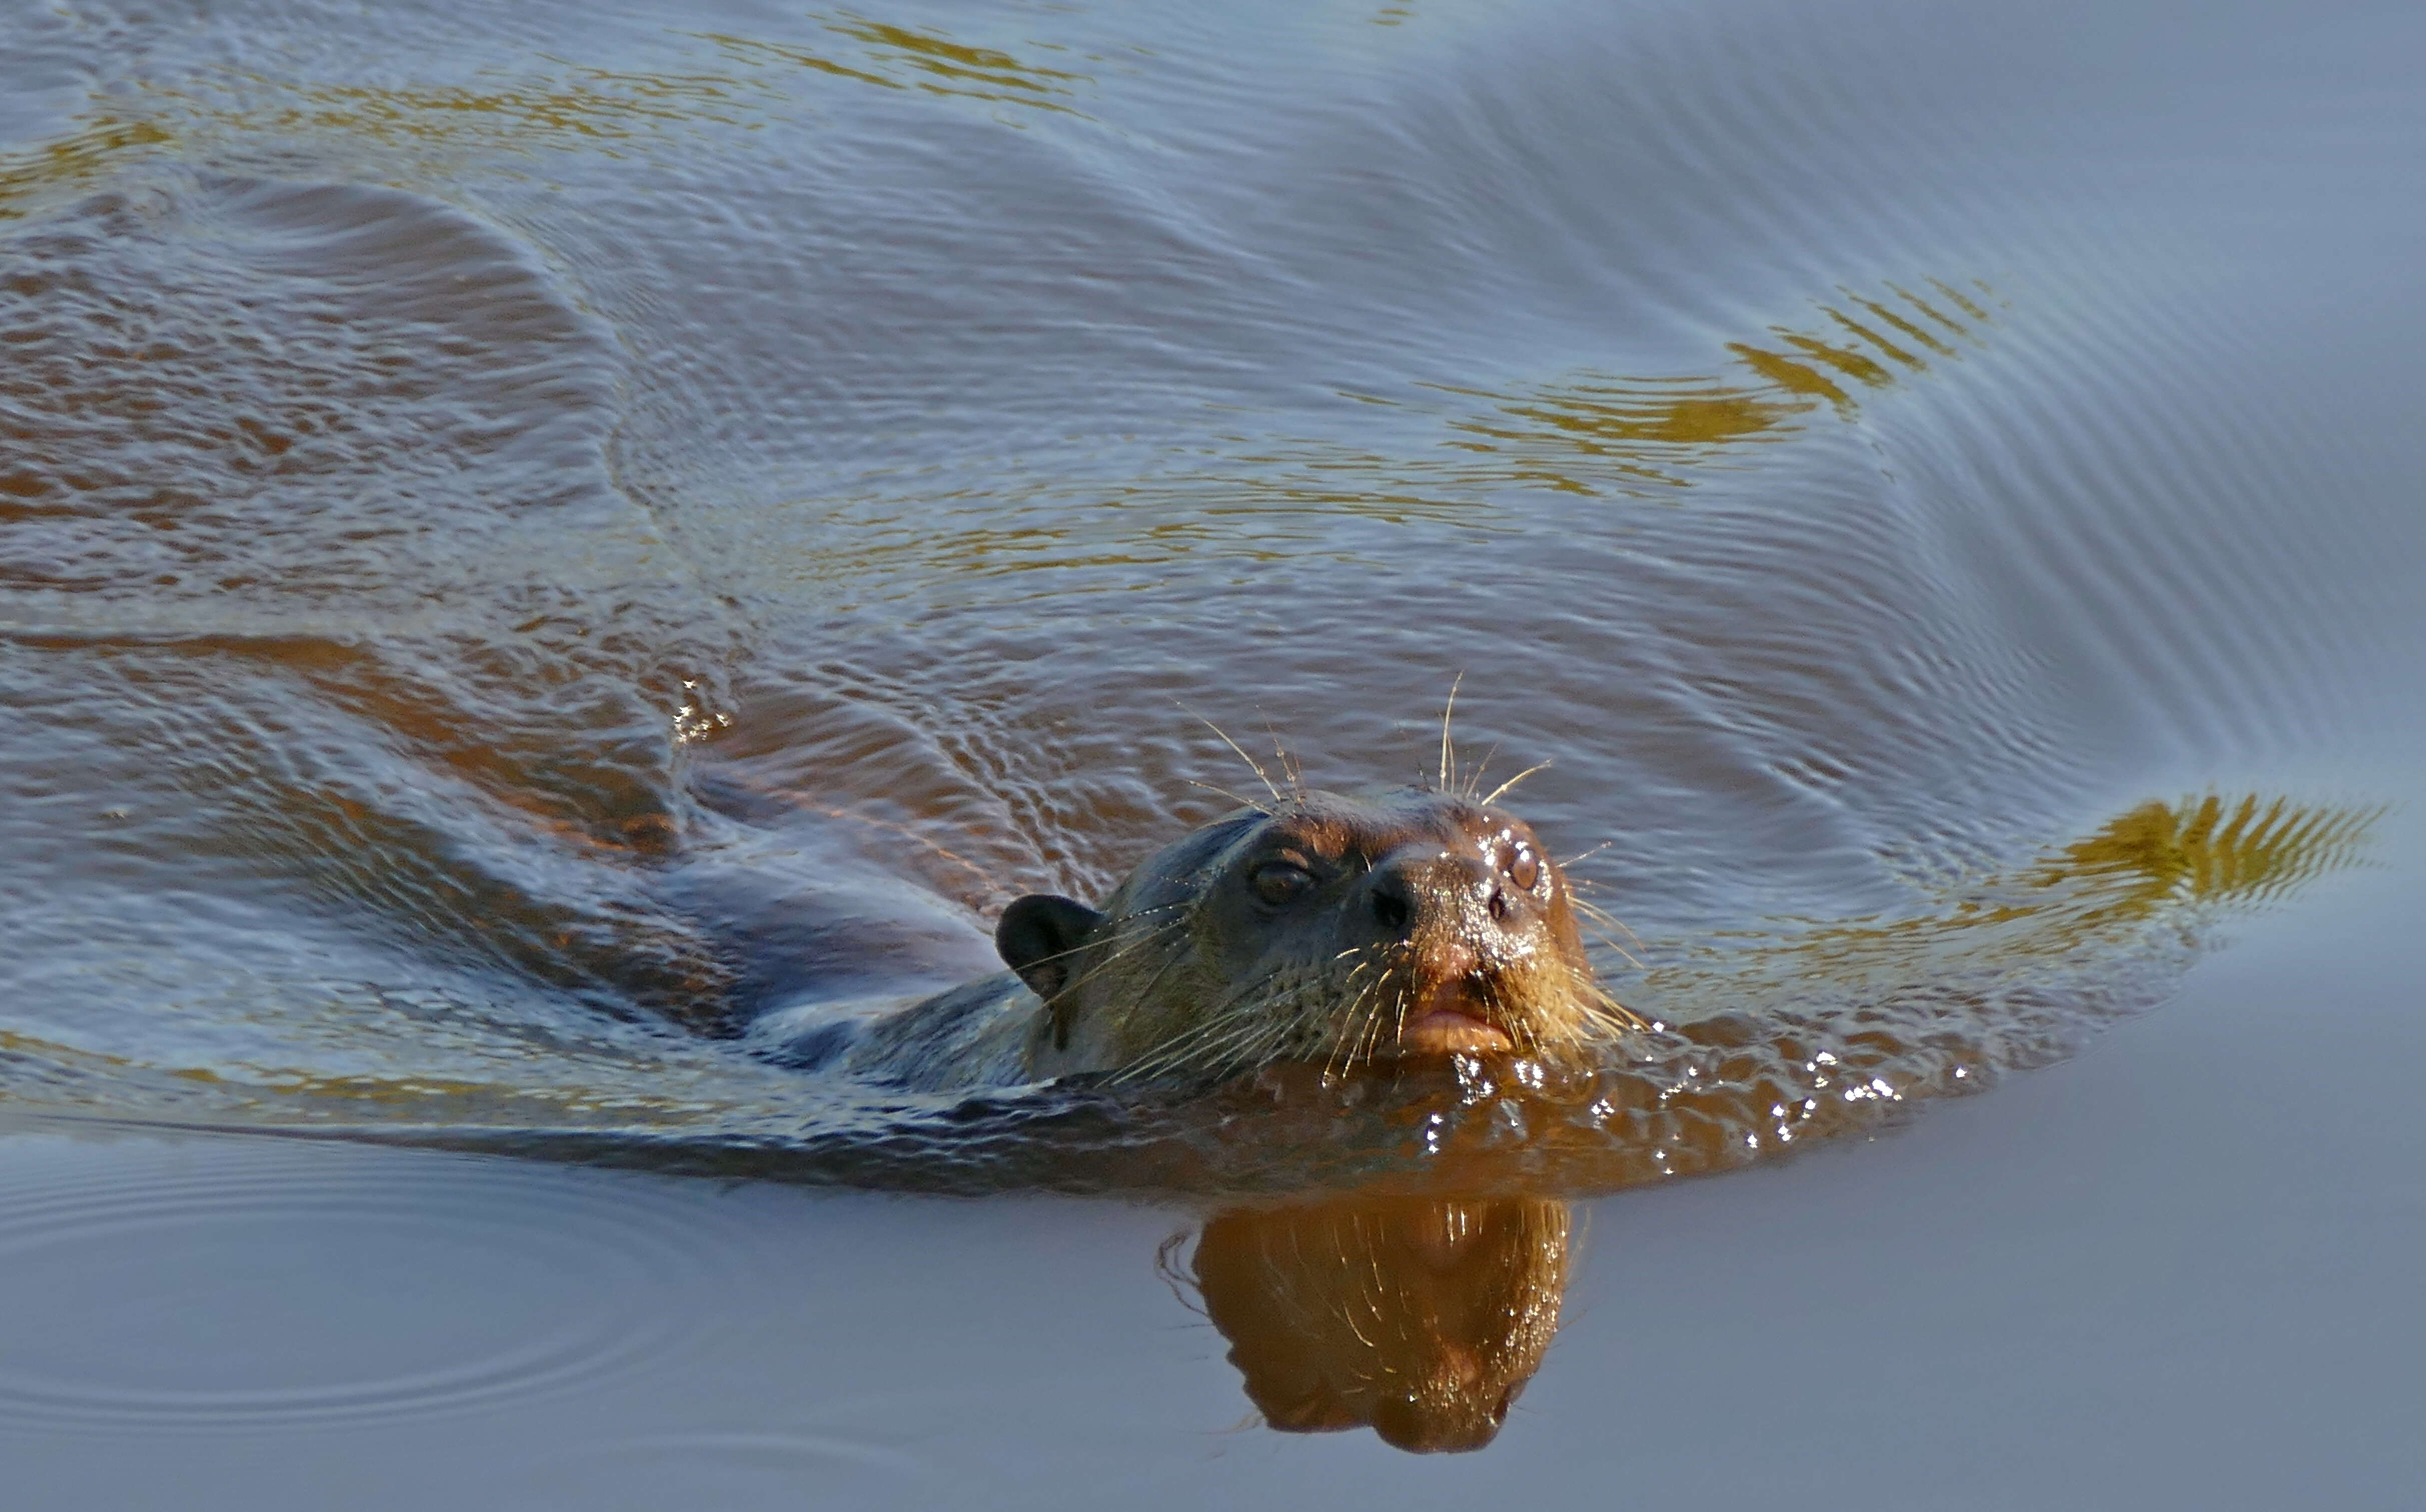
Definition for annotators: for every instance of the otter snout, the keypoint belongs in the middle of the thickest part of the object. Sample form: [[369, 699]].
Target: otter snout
[[1445, 918], [1457, 906], [1410, 892]]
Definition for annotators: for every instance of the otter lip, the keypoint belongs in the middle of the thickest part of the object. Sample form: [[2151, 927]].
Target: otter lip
[[1445, 1023], [1447, 1032]]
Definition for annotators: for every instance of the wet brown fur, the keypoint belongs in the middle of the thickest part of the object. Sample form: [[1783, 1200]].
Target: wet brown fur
[[1416, 900]]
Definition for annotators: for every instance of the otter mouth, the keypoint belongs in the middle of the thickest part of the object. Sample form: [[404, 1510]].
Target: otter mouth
[[1449, 1022]]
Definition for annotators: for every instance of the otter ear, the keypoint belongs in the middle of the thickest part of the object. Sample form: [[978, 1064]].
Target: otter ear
[[1036, 937]]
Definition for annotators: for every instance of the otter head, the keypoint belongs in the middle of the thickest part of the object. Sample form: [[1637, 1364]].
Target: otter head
[[1328, 929]]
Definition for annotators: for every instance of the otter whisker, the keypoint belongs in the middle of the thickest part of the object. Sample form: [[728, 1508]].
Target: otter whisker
[[1600, 936], [1131, 948], [1602, 916], [1522, 1037], [1215, 1030], [1242, 802], [1093, 941], [1159, 908], [1054, 1004], [1146, 1069], [1203, 1048], [1147, 993], [1343, 1043], [1368, 1046], [1447, 749], [1596, 911], [1293, 1011], [1382, 993], [1194, 1051], [1473, 779], [1362, 1021], [1252, 766], [1349, 1025], [1495, 1013], [1290, 767], [1597, 1002], [1495, 793]]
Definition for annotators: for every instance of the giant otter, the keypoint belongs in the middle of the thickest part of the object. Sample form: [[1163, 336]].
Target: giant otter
[[1344, 931]]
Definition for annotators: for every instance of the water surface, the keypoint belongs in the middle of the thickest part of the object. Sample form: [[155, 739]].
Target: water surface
[[525, 539]]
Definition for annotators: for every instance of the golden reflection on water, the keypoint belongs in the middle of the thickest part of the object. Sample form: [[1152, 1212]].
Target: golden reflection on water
[[581, 107], [980, 72], [1560, 436], [2206, 851], [589, 107], [2161, 858], [1266, 497], [898, 57], [1590, 434], [2167, 867], [73, 161], [1419, 1318], [1597, 433], [556, 103]]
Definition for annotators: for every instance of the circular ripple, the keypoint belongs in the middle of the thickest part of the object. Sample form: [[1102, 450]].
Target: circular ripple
[[210, 1287]]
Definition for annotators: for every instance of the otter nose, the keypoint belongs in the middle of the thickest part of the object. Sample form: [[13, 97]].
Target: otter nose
[[1408, 892], [1393, 900]]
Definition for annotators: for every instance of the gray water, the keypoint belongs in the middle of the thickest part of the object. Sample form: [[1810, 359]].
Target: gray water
[[526, 538]]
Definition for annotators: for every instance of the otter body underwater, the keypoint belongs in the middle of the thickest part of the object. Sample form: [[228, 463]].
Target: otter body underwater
[[1340, 931]]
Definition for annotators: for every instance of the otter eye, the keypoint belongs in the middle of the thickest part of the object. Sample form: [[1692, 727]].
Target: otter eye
[[1278, 882], [1524, 868]]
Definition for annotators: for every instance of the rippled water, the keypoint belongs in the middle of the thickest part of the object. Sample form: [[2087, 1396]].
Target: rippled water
[[544, 1287], [527, 538]]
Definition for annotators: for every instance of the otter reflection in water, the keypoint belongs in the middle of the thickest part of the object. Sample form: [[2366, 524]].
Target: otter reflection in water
[[1421, 1318]]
